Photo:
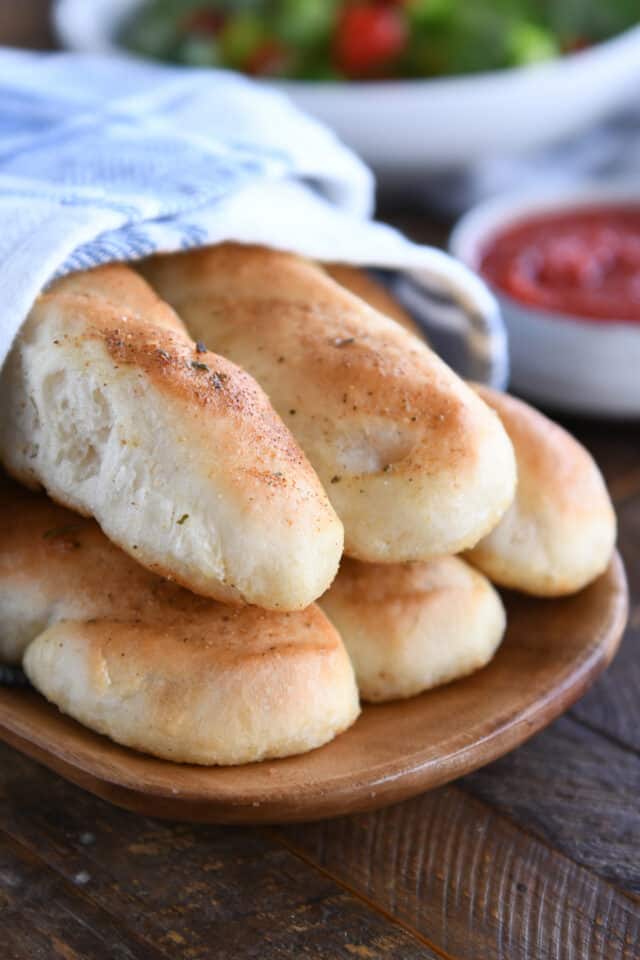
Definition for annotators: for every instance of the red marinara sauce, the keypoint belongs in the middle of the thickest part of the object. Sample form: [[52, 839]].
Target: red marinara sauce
[[583, 261]]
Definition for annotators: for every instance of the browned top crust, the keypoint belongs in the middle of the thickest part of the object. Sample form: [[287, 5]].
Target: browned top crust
[[119, 414], [559, 532], [362, 284], [156, 667], [414, 464], [71, 570]]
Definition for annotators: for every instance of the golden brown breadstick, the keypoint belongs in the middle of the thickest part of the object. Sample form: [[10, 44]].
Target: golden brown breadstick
[[415, 464], [560, 531], [154, 666], [177, 453]]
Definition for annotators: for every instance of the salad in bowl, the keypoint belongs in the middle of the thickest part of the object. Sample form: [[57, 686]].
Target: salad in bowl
[[369, 39]]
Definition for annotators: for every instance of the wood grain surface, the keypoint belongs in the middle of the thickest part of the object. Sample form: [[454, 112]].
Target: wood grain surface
[[179, 890], [472, 882]]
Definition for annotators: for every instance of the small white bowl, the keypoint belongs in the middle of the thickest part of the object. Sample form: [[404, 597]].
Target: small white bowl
[[406, 128], [572, 364]]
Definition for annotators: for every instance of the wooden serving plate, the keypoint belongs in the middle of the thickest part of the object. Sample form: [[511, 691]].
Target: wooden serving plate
[[553, 650]]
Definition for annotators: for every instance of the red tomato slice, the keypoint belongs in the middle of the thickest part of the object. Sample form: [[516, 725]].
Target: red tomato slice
[[368, 38]]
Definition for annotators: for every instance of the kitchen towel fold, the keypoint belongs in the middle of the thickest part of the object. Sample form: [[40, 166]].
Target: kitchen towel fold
[[106, 159]]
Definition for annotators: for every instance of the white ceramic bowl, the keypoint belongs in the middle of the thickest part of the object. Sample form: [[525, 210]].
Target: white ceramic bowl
[[572, 364], [403, 128]]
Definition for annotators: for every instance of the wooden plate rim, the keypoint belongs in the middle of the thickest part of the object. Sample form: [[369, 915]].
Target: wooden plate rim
[[387, 782]]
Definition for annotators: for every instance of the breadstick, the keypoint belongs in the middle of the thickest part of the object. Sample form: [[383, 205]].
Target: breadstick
[[177, 453], [154, 666], [415, 464]]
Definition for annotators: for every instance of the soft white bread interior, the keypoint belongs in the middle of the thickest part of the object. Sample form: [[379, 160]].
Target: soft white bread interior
[[560, 531], [415, 464], [410, 627], [154, 666], [177, 453]]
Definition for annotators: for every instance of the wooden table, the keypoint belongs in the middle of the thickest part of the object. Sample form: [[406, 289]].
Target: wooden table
[[536, 856]]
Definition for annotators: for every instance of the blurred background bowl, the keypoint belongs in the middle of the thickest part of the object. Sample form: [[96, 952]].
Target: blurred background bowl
[[405, 129], [557, 359]]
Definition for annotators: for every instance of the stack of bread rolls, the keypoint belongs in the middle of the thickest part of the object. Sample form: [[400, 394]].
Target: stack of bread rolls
[[215, 430]]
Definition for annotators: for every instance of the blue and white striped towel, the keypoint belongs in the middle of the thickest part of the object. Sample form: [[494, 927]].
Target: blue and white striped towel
[[104, 159]]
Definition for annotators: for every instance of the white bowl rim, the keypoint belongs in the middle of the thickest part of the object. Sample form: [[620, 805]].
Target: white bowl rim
[[488, 218]]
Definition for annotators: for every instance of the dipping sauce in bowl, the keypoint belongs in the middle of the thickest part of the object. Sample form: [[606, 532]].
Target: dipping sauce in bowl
[[583, 262], [564, 265]]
